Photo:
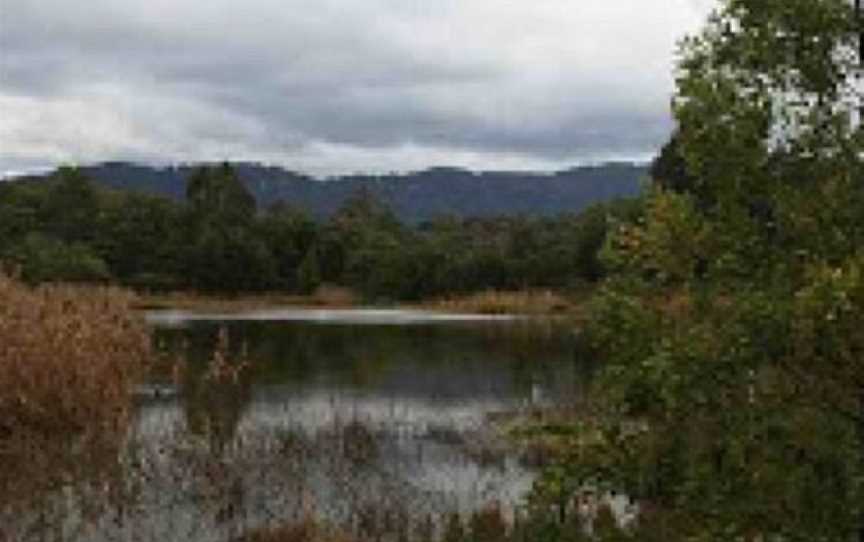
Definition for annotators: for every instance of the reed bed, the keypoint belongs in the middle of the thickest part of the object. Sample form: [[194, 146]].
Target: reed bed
[[70, 357]]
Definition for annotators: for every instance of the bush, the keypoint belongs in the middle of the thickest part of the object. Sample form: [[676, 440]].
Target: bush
[[41, 258]]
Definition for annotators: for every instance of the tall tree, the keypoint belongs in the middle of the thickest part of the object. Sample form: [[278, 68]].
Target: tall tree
[[669, 170], [217, 192], [361, 246], [71, 210], [732, 322], [223, 252], [289, 233]]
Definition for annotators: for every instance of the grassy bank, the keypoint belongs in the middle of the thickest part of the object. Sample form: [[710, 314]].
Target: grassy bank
[[539, 302], [530, 302], [325, 296]]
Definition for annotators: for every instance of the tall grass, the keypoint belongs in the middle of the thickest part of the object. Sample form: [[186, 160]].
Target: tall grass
[[69, 359]]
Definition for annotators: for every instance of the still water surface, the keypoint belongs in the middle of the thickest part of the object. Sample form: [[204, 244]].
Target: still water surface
[[343, 414]]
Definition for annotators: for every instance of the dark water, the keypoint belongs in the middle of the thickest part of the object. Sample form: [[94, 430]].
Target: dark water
[[348, 416]]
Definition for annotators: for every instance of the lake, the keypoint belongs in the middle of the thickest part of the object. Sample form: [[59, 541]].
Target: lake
[[358, 417]]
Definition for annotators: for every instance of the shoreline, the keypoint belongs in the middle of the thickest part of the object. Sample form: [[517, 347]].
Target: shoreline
[[549, 303]]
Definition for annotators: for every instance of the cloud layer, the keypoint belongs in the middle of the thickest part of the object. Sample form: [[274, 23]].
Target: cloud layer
[[332, 86]]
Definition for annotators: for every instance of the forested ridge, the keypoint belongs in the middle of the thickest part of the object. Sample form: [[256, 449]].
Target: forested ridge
[[413, 197]]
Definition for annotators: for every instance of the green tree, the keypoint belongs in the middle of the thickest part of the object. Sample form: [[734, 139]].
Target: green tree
[[215, 192], [19, 212], [364, 246], [289, 234], [669, 170], [732, 322], [142, 240], [223, 250], [230, 259], [71, 210], [40, 258], [309, 272]]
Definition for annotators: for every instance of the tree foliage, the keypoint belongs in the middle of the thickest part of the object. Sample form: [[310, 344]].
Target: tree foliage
[[219, 241], [731, 404]]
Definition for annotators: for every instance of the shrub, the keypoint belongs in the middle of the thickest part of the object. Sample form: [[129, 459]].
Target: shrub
[[42, 258]]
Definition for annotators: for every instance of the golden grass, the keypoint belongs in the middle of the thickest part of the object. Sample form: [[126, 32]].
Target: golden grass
[[323, 296], [69, 357], [215, 303], [508, 302], [328, 295], [535, 302], [69, 360]]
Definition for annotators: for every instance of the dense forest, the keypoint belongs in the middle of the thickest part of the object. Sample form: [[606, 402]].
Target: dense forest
[[218, 239]]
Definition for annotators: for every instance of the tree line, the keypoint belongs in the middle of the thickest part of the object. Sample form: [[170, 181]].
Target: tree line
[[218, 240]]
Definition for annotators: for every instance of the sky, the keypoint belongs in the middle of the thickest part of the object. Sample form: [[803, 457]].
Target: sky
[[338, 86]]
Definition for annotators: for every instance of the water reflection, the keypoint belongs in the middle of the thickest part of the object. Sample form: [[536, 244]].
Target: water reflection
[[401, 317], [373, 414]]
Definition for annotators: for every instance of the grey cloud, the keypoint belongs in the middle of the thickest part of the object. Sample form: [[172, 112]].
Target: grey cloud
[[291, 81]]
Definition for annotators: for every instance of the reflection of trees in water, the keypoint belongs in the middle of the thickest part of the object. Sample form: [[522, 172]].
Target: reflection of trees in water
[[214, 408], [213, 477], [215, 382], [449, 358]]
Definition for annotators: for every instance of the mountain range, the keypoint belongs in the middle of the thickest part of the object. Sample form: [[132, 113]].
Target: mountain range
[[414, 197]]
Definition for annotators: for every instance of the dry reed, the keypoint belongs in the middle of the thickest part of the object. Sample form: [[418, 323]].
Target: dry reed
[[325, 295], [330, 295], [507, 302], [69, 359]]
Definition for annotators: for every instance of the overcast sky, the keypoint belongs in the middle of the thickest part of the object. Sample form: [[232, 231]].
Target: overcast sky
[[335, 86]]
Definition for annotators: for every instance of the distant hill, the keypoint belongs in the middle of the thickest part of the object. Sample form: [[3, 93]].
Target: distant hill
[[413, 196]]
